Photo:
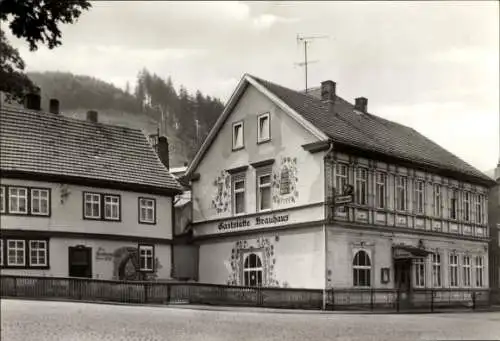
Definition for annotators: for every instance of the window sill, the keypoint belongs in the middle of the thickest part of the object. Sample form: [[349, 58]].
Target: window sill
[[147, 222], [262, 141], [235, 149], [25, 267]]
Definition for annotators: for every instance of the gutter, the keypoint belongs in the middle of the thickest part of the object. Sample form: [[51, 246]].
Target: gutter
[[325, 246]]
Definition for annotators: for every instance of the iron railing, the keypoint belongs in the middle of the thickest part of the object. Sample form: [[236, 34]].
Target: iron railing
[[82, 289]]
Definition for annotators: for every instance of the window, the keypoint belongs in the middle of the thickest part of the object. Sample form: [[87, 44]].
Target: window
[[147, 211], [437, 200], [401, 193], [479, 265], [92, 206], [453, 204], [380, 189], [466, 271], [38, 252], [361, 269], [453, 266], [2, 199], [466, 206], [238, 135], [264, 133], [419, 196], [239, 194], [419, 267], [18, 200], [252, 271], [146, 258], [285, 181], [1, 252], [361, 186], [341, 179], [40, 201], [436, 270], [264, 191], [479, 209], [15, 253], [111, 207]]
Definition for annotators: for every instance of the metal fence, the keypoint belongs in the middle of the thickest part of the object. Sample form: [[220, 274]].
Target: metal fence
[[390, 300]]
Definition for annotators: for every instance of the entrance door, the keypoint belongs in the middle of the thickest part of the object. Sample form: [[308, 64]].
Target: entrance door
[[402, 280], [80, 261]]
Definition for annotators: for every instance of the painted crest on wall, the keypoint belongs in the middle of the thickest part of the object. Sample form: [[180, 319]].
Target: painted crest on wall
[[222, 199], [126, 266], [285, 181], [243, 248]]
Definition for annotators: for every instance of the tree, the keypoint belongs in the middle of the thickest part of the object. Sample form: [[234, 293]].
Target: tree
[[36, 21]]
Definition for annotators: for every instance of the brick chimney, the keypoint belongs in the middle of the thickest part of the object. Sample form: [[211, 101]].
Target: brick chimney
[[163, 152], [54, 106], [33, 100], [328, 91], [92, 116], [361, 104]]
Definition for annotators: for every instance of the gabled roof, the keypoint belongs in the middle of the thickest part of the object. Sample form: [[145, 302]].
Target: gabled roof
[[341, 124], [43, 143]]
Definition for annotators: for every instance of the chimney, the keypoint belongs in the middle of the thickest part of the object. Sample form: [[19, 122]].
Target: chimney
[[328, 91], [54, 106], [33, 100], [163, 153], [361, 104], [92, 116]]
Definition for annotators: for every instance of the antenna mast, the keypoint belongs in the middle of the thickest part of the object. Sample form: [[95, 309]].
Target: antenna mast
[[307, 40]]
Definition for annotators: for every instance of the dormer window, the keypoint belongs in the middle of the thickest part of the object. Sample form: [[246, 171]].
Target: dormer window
[[263, 132], [238, 135]]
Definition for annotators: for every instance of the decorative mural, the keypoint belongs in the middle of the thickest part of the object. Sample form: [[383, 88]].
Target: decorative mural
[[285, 181], [244, 247], [222, 201], [126, 264]]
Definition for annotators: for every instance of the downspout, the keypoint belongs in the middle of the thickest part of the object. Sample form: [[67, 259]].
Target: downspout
[[325, 246]]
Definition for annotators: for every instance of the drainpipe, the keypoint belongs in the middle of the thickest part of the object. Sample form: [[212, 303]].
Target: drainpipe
[[325, 246]]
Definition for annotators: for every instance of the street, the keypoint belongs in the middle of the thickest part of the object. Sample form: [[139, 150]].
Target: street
[[45, 320]]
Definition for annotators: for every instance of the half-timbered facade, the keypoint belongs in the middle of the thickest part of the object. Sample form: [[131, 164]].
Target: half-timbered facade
[[266, 210]]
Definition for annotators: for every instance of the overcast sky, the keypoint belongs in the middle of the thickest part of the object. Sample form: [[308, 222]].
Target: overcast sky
[[433, 66]]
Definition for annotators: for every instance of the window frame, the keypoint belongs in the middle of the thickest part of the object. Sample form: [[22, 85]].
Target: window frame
[[437, 195], [139, 218], [118, 204], [479, 208], [27, 240], [453, 203], [260, 174], [233, 135], [419, 193], [45, 250], [404, 187], [26, 198], [453, 268], [466, 271], [360, 183], [47, 214], [3, 201], [7, 207], [380, 190], [7, 249], [340, 181], [479, 271], [85, 216], [139, 255], [102, 206], [419, 271], [356, 268], [261, 139], [436, 267], [235, 178], [257, 269], [467, 203]]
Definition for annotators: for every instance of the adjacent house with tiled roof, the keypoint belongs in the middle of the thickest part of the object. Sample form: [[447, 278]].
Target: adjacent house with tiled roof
[[81, 198], [307, 190]]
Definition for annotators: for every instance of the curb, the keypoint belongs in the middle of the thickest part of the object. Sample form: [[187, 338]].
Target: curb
[[244, 309]]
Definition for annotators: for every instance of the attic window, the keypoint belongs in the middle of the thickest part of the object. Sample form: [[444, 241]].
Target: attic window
[[263, 133], [238, 135]]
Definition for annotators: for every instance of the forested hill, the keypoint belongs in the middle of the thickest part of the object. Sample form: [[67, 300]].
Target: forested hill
[[139, 106]]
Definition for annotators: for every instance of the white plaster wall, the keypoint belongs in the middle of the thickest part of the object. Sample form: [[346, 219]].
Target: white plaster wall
[[299, 258], [101, 269], [67, 215]]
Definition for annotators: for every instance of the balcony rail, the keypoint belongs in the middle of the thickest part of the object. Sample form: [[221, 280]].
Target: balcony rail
[[390, 300]]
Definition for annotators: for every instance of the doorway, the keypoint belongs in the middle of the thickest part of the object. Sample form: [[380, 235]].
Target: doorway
[[80, 261], [402, 280]]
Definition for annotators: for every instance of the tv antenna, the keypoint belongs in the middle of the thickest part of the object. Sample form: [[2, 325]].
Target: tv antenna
[[306, 41]]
